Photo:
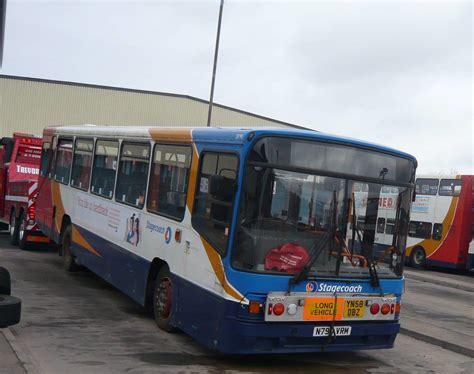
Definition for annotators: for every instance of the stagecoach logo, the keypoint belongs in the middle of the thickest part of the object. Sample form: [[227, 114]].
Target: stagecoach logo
[[333, 288], [311, 286], [168, 235]]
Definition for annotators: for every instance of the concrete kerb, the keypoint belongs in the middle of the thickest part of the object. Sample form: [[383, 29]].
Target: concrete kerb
[[23, 356], [441, 343]]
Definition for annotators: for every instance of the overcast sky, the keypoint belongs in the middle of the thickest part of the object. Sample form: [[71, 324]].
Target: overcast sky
[[395, 73]]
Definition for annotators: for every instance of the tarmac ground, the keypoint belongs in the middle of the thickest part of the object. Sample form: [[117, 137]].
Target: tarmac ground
[[77, 323]]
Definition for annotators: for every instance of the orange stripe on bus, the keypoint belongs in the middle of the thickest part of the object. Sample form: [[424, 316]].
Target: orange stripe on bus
[[79, 239], [216, 262], [169, 134], [192, 178]]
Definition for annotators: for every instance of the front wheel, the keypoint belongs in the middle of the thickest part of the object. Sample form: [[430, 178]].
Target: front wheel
[[69, 260], [163, 300], [418, 258]]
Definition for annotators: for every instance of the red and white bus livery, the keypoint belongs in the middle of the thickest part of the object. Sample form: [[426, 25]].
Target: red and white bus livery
[[20, 158], [441, 222]]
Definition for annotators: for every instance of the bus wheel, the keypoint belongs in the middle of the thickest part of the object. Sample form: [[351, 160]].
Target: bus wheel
[[69, 260], [163, 300], [418, 258], [13, 229], [22, 233]]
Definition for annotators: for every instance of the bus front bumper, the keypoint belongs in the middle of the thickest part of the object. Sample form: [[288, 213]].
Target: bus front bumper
[[239, 337]]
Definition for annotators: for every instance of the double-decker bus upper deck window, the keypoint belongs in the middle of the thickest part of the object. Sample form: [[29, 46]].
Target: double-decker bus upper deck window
[[82, 163], [214, 198], [425, 186], [169, 180], [450, 187], [63, 161], [45, 158], [105, 167], [133, 174]]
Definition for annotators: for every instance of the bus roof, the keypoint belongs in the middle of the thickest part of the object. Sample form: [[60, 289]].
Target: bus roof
[[228, 135]]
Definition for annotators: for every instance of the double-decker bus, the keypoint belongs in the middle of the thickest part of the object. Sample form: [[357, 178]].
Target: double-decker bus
[[441, 222], [246, 239]]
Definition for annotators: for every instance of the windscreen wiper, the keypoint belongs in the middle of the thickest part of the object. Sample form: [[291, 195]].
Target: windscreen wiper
[[317, 249]]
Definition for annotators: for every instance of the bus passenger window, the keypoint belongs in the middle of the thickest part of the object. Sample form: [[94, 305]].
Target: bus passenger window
[[63, 161], [105, 167], [82, 163], [133, 174], [169, 180], [380, 225], [214, 198], [418, 229], [425, 186], [45, 157], [390, 226], [437, 231], [450, 187]]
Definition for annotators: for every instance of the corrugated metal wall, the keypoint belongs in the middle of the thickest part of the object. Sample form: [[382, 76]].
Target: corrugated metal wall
[[28, 105]]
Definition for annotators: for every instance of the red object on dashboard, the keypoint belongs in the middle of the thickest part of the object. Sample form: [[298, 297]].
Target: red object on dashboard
[[288, 257]]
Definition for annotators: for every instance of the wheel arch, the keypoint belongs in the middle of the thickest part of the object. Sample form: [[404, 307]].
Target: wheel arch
[[155, 267], [66, 221]]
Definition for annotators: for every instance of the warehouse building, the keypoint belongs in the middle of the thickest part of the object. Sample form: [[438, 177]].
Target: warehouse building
[[29, 104]]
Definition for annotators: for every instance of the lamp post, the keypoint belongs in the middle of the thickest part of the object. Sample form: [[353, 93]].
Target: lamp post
[[216, 52]]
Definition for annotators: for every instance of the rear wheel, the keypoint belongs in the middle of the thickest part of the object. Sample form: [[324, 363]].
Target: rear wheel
[[418, 258], [22, 232], [163, 300], [69, 260], [13, 229]]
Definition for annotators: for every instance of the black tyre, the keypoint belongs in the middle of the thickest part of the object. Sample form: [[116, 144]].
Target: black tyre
[[10, 310], [69, 260], [22, 232], [5, 282], [163, 300], [13, 229], [418, 258]]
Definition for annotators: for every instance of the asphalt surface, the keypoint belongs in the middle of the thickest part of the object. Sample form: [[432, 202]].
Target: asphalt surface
[[77, 323]]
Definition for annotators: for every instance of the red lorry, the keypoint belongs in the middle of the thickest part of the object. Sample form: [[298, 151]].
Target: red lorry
[[20, 158]]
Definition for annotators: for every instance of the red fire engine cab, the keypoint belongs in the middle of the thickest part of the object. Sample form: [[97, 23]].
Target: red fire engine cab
[[20, 158]]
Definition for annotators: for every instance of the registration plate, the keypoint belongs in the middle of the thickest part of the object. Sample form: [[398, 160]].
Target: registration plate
[[338, 331], [354, 308]]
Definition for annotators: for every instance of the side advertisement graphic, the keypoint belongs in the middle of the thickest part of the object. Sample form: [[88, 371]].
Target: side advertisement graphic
[[116, 222]]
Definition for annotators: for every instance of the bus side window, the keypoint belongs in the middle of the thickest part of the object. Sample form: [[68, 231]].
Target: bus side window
[[104, 168], [380, 225], [418, 229], [425, 186], [45, 158], [168, 187], [215, 197], [63, 161], [81, 164], [437, 231], [133, 174], [450, 187]]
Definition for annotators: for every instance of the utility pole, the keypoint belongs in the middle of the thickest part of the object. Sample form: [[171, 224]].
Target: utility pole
[[3, 13], [216, 52]]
